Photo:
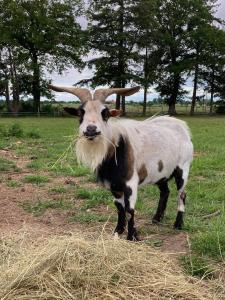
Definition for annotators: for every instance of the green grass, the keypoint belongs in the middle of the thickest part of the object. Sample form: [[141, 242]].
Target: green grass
[[36, 179], [13, 184], [58, 190], [40, 207], [93, 197], [205, 190], [7, 165], [88, 218], [197, 266]]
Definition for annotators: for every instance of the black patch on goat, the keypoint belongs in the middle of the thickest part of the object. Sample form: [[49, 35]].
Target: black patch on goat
[[164, 195], [178, 175], [121, 224], [78, 112], [160, 166], [179, 220], [117, 173], [105, 114]]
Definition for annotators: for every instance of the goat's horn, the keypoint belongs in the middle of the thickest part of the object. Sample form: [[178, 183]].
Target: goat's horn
[[102, 94], [83, 94]]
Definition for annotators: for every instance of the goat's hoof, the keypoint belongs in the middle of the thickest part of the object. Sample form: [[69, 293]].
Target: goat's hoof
[[178, 226], [119, 230], [133, 236], [155, 220]]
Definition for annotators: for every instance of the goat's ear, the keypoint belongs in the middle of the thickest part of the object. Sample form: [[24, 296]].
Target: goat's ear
[[114, 112], [72, 111]]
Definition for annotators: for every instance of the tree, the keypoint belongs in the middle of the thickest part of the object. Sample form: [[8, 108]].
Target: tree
[[113, 36], [47, 31], [213, 71], [198, 27], [149, 54], [174, 17]]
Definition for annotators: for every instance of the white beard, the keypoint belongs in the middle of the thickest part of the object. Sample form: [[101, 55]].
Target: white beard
[[91, 153]]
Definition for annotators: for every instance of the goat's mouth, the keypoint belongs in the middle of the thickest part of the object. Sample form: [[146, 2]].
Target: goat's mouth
[[91, 135]]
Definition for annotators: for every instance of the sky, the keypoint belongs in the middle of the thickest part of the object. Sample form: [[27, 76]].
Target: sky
[[72, 75]]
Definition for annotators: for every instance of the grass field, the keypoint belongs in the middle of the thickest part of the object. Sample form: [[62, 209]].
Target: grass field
[[40, 142]]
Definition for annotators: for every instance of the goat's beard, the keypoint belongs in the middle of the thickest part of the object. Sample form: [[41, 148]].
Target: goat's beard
[[91, 153]]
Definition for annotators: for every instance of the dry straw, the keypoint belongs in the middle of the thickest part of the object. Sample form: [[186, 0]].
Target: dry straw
[[79, 268]]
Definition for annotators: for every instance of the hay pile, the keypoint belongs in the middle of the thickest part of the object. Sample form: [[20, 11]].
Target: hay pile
[[77, 268]]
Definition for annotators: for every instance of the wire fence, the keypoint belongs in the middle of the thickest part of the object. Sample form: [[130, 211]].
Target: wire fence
[[134, 109]]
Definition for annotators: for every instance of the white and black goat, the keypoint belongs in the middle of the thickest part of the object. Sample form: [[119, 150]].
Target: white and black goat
[[125, 154]]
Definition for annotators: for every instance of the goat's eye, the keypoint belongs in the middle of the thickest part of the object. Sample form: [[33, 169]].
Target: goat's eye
[[82, 111], [105, 114]]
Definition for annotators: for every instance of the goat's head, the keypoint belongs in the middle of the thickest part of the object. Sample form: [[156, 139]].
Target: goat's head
[[93, 113]]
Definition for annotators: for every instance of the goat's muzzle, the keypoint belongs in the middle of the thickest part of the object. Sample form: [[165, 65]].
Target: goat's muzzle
[[91, 132]]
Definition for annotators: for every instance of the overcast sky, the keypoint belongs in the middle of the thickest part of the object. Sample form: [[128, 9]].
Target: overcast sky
[[71, 76]]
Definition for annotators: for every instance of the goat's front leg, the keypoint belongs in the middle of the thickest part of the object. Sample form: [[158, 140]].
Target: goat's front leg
[[121, 223], [130, 197]]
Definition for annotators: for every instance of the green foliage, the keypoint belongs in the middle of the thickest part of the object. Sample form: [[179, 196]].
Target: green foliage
[[197, 266], [7, 165], [13, 184], [210, 243], [94, 197], [40, 207], [88, 218], [35, 32], [58, 190], [36, 179]]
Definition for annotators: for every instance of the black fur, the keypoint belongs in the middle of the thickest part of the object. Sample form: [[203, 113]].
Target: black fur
[[179, 220], [164, 195], [121, 224], [115, 174], [78, 112], [105, 114], [178, 173], [132, 232]]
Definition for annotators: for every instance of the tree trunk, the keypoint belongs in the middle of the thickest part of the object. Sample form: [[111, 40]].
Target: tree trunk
[[193, 102], [123, 106], [173, 98], [7, 97], [145, 81], [212, 91], [117, 101], [145, 100], [15, 86], [36, 83], [121, 62]]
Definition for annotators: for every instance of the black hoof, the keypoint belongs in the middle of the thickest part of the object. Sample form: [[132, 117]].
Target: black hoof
[[133, 236], [155, 219], [178, 226], [119, 230]]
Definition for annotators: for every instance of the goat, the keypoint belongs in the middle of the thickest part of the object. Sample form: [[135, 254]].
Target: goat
[[125, 154]]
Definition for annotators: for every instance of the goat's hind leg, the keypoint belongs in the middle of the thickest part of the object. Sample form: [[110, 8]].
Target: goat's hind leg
[[164, 195], [181, 177]]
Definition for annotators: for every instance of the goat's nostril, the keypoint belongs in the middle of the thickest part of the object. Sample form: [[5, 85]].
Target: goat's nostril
[[91, 128]]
